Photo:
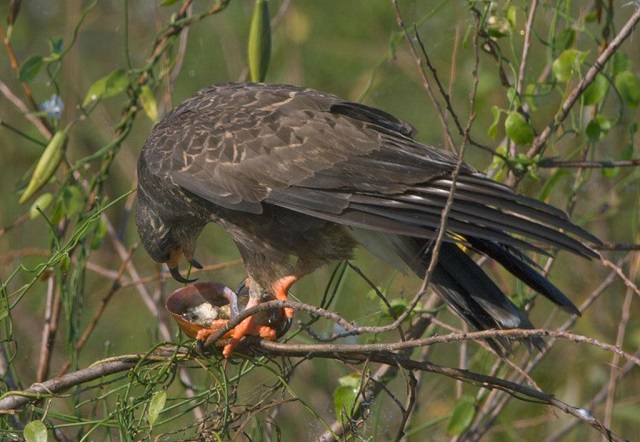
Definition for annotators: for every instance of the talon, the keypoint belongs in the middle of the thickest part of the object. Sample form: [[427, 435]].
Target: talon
[[174, 262], [284, 329], [245, 328], [175, 272], [195, 263]]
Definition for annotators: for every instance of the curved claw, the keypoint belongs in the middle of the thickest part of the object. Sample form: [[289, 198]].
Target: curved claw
[[284, 329], [195, 263], [175, 272]]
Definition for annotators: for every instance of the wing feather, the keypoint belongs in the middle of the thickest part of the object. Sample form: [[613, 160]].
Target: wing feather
[[247, 145]]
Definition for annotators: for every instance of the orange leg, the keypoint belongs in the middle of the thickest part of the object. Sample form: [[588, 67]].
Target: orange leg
[[248, 327], [281, 289]]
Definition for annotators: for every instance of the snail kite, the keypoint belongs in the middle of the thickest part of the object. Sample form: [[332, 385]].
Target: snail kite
[[298, 178]]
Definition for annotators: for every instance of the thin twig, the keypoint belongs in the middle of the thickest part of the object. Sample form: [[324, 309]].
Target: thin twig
[[589, 77], [50, 327]]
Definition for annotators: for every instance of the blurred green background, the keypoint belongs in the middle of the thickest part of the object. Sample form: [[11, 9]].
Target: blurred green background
[[355, 50]]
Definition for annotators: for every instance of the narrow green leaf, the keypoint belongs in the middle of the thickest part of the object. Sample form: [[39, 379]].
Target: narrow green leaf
[[531, 96], [107, 86], [462, 415], [168, 2], [30, 67], [156, 405], [149, 103], [493, 129], [511, 16], [629, 88], [518, 129], [95, 92], [259, 41], [565, 39], [597, 90], [35, 431], [117, 82], [550, 184]]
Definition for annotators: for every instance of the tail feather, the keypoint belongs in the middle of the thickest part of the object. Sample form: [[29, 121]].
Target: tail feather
[[463, 285], [475, 297], [523, 271]]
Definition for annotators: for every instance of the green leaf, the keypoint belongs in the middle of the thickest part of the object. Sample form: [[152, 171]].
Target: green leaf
[[351, 380], [621, 62], [72, 200], [593, 131], [169, 2], [149, 103], [35, 431], [462, 415], [567, 63], [518, 129], [629, 88], [55, 45], [345, 396], [30, 67], [493, 129], [65, 263], [598, 128], [565, 39], [610, 172], [596, 91], [511, 16], [42, 202], [117, 82], [531, 95], [344, 399], [99, 234], [627, 151], [514, 98], [156, 405], [107, 86], [259, 41], [591, 17], [95, 92], [398, 307], [550, 184]]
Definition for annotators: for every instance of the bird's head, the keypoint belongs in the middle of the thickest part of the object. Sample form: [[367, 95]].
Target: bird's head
[[165, 237]]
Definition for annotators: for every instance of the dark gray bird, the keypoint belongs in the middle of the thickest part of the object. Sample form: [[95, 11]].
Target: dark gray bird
[[298, 178]]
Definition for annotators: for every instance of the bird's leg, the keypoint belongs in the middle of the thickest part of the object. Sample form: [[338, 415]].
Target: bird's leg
[[280, 291], [248, 327]]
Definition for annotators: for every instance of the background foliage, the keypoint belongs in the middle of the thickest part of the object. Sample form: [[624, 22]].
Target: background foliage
[[81, 84]]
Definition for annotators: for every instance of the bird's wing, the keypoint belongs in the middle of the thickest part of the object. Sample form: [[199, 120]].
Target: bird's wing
[[243, 146]]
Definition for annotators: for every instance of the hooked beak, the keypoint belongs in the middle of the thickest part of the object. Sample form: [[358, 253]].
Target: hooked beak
[[174, 262]]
